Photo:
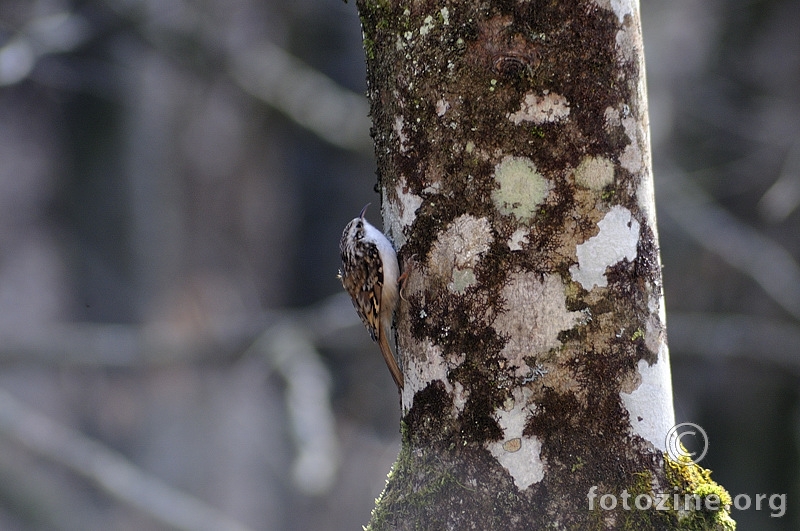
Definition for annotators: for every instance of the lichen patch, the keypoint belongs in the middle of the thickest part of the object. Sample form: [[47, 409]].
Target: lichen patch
[[402, 212], [517, 453], [612, 117], [518, 239], [459, 249], [645, 197], [530, 329], [442, 106], [423, 369], [627, 50], [654, 335], [621, 8], [427, 26], [460, 396], [594, 173], [521, 188], [649, 405], [402, 138], [542, 109], [632, 158], [617, 240]]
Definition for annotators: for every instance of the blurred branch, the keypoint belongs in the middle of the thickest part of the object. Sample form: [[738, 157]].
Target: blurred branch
[[44, 498], [311, 99], [113, 345], [272, 75], [131, 346], [108, 469], [289, 348], [783, 197], [265, 71], [289, 344], [51, 34], [721, 336], [740, 245]]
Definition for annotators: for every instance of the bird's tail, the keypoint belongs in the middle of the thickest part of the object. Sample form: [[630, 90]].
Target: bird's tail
[[388, 357]]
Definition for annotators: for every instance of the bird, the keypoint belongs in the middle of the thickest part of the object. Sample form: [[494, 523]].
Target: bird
[[371, 276]]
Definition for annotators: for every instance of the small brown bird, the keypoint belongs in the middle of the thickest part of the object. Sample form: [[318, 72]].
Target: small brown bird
[[371, 275]]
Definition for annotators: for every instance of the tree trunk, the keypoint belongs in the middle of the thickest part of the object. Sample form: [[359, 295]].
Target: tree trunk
[[514, 163]]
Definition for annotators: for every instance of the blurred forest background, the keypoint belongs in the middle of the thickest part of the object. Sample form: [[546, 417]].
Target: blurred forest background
[[175, 350]]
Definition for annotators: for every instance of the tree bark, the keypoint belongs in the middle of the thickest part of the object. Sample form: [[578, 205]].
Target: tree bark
[[514, 167]]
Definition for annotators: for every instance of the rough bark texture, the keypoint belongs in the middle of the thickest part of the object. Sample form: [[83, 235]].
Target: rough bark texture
[[513, 155]]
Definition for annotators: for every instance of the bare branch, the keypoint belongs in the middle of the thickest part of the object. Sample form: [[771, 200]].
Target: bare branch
[[118, 345], [288, 344], [740, 245], [290, 350], [108, 469], [308, 97], [269, 73], [58, 33], [724, 336], [783, 197]]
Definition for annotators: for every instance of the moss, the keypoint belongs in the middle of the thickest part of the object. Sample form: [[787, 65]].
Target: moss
[[690, 479], [636, 519], [369, 48], [428, 477], [410, 501]]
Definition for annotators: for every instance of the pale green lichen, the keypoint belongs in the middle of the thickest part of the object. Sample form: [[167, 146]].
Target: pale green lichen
[[594, 173], [462, 279], [459, 249], [521, 188], [426, 27]]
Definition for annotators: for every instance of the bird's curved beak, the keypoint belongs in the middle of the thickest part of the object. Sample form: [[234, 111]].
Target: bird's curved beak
[[364, 210]]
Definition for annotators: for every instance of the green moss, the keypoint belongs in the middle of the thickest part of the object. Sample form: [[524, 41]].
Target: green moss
[[374, 20], [413, 487], [382, 515], [636, 519], [690, 479], [688, 482], [369, 48]]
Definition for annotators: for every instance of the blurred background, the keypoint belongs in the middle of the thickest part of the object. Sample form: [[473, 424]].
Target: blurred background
[[175, 350]]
